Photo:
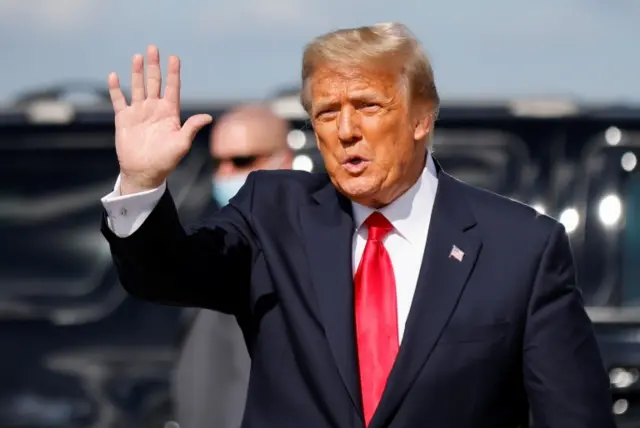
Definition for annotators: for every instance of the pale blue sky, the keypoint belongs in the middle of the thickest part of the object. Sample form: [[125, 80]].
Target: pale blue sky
[[585, 49]]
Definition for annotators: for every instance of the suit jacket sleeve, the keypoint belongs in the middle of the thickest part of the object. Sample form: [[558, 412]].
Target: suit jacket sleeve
[[207, 266], [564, 374]]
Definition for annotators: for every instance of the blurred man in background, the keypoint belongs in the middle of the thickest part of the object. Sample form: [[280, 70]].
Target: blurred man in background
[[247, 139], [212, 371]]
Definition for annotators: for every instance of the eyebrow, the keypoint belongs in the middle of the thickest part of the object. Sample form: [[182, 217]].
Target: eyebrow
[[323, 105], [367, 96], [358, 96]]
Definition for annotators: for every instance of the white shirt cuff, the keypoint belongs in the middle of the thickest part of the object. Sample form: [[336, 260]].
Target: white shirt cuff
[[125, 214]]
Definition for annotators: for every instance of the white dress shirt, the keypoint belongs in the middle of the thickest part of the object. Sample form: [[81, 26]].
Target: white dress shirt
[[410, 216]]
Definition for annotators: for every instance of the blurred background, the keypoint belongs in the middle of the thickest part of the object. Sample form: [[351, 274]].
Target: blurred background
[[541, 102]]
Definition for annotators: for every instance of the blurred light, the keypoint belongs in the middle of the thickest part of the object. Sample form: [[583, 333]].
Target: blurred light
[[303, 163], [289, 107], [610, 210], [570, 219], [540, 208], [54, 112], [613, 136], [629, 161], [620, 406], [296, 139], [623, 378], [543, 107]]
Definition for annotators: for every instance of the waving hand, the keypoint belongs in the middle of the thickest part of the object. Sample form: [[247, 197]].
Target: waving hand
[[150, 139]]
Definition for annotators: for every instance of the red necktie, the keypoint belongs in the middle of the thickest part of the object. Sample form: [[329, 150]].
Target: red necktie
[[376, 315]]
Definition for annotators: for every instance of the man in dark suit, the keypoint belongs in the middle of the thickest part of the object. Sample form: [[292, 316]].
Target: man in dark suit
[[384, 293], [212, 372]]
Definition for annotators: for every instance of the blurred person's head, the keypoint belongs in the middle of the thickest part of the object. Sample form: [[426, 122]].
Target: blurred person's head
[[248, 138], [372, 99]]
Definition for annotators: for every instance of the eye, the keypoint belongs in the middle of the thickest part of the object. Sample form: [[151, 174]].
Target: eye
[[370, 106], [326, 114]]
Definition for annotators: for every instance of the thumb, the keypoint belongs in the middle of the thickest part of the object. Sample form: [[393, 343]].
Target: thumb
[[195, 124]]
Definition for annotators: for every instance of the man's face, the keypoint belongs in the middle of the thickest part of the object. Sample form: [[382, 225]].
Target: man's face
[[239, 148], [369, 135]]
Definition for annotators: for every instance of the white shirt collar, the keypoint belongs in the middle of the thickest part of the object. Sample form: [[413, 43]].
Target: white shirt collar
[[407, 214]]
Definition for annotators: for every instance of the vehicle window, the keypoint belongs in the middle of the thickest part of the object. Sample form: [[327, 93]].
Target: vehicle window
[[48, 214], [490, 159], [52, 252], [608, 244], [631, 242]]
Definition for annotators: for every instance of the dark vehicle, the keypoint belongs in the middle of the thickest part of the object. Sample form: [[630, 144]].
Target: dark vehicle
[[81, 353], [77, 350], [610, 242]]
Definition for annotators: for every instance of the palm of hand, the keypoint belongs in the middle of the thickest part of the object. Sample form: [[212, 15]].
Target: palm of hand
[[148, 137], [150, 140]]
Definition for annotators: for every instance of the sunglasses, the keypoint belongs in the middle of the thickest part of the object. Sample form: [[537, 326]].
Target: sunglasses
[[237, 161]]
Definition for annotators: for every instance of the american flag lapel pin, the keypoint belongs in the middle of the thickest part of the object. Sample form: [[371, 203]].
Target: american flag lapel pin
[[456, 253]]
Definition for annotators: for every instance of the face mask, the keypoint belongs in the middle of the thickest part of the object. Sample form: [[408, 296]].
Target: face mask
[[223, 189]]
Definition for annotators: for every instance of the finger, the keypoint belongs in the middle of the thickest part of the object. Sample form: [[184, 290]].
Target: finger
[[195, 124], [117, 97], [172, 91], [154, 75], [137, 79]]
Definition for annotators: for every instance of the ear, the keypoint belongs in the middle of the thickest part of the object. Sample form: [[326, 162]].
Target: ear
[[423, 125]]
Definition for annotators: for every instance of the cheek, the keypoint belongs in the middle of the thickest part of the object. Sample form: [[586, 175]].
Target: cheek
[[393, 155], [328, 152], [321, 144], [325, 138], [386, 134]]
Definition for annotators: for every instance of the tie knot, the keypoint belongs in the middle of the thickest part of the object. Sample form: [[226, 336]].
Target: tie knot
[[378, 226]]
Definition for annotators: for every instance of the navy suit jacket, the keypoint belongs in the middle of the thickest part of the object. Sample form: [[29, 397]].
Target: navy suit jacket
[[488, 338]]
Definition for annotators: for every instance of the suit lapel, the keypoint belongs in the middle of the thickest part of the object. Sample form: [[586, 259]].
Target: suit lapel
[[328, 233], [441, 281]]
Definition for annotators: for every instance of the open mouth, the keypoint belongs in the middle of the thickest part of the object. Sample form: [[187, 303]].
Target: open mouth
[[354, 160], [355, 164]]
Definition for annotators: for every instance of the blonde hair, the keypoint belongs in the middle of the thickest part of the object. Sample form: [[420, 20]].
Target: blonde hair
[[384, 44]]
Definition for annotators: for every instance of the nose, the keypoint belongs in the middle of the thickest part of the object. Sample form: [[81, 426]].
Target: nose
[[348, 126], [225, 168]]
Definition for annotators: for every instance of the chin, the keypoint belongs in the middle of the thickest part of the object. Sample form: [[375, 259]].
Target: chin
[[359, 188]]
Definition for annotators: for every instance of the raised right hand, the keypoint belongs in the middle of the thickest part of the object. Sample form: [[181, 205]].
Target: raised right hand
[[150, 141]]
